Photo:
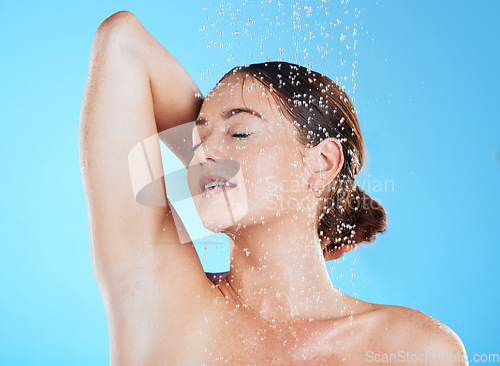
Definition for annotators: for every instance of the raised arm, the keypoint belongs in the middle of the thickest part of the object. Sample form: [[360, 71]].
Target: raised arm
[[136, 88]]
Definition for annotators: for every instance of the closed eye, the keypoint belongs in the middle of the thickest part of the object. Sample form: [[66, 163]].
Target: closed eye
[[241, 135], [235, 135]]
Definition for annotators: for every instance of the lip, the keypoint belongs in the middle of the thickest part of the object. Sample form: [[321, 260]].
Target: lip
[[212, 178]]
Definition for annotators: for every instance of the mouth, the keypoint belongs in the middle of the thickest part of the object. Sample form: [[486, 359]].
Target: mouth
[[211, 184]]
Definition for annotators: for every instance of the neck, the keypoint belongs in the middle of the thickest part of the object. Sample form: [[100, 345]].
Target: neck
[[280, 272]]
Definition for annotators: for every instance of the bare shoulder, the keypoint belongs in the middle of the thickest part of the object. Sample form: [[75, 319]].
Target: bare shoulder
[[418, 338]]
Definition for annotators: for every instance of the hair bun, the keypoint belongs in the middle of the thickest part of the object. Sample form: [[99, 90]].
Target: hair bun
[[370, 217], [363, 219]]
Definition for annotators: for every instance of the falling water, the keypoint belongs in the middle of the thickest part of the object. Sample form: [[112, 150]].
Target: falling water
[[321, 35]]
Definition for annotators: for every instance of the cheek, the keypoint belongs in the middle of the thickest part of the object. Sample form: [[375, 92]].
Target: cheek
[[273, 176]]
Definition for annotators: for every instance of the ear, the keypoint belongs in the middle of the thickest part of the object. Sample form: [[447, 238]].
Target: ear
[[324, 162], [335, 253]]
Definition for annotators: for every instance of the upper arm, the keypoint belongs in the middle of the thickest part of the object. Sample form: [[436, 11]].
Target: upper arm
[[448, 343], [443, 341], [134, 246], [419, 334]]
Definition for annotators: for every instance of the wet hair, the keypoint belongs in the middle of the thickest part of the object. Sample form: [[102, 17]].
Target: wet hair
[[320, 109]]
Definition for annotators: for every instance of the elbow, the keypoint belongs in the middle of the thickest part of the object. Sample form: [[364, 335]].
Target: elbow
[[119, 23], [117, 32], [118, 20]]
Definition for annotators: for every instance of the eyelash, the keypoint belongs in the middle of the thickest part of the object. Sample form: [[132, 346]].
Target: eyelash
[[236, 135], [241, 135]]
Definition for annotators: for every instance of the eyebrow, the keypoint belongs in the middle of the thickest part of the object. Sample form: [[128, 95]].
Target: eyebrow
[[201, 121], [228, 114], [232, 112]]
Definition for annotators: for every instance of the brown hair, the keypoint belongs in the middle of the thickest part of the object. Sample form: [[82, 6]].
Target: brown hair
[[319, 109]]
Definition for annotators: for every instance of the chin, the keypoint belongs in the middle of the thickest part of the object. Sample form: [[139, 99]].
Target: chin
[[217, 222], [222, 211]]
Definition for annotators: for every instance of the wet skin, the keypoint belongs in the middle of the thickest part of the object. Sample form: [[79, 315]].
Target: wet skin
[[277, 304]]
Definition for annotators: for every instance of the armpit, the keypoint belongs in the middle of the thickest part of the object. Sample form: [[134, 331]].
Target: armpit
[[215, 277]]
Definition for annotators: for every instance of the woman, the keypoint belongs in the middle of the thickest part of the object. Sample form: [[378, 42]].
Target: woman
[[276, 150]]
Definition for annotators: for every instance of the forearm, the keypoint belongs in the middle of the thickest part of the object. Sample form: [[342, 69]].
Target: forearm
[[176, 98]]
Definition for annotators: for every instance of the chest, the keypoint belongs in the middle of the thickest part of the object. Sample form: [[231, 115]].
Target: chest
[[238, 337]]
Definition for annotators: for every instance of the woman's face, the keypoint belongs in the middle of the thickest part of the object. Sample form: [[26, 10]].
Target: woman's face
[[241, 137]]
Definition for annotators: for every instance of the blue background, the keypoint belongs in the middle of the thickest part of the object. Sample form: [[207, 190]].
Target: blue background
[[425, 83]]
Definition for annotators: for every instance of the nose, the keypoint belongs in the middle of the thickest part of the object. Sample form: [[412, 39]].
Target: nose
[[209, 150]]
